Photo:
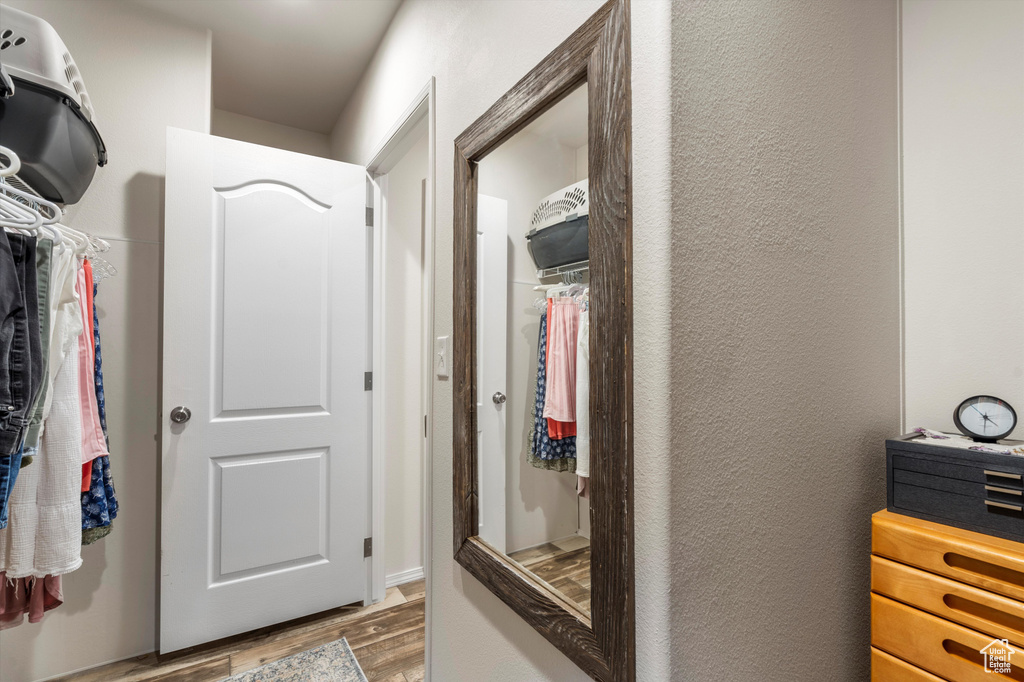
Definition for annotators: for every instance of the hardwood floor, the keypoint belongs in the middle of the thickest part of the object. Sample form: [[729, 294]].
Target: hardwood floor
[[386, 638], [563, 564]]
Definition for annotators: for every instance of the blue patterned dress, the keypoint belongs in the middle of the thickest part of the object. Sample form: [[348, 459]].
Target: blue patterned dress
[[99, 505], [558, 454]]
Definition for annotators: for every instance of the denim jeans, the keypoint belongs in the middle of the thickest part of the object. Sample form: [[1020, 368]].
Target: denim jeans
[[9, 467], [13, 346], [44, 265], [21, 353]]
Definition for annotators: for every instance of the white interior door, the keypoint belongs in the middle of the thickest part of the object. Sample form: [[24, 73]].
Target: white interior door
[[492, 351], [265, 487]]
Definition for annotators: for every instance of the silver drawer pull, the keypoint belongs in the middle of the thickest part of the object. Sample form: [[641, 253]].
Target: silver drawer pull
[[1002, 474], [1008, 491], [1003, 505]]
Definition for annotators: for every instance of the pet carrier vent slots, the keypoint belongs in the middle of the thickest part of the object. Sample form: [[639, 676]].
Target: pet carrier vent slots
[[32, 51]]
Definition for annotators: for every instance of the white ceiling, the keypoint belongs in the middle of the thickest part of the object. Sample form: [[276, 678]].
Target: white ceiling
[[293, 62]]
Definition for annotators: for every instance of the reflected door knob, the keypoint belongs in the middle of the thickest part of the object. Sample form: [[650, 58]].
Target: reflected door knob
[[498, 398], [180, 415]]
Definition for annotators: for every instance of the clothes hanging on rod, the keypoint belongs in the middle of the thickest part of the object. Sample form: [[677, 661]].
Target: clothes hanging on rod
[[30, 597], [22, 354], [44, 263], [44, 532], [65, 323], [561, 405], [544, 452], [93, 443], [583, 402], [99, 502], [56, 422]]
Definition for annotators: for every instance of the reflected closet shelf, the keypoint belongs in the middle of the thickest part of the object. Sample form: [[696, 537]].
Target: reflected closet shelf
[[580, 266]]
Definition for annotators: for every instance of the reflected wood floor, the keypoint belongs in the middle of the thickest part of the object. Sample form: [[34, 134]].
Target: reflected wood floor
[[563, 564], [387, 639]]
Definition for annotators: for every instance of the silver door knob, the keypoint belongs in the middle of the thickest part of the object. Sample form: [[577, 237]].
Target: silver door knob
[[498, 398], [180, 415]]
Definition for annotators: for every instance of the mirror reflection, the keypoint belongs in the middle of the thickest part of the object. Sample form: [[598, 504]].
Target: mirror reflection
[[533, 349]]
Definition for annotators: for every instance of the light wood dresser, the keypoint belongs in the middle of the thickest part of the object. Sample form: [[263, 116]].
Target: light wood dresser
[[939, 597]]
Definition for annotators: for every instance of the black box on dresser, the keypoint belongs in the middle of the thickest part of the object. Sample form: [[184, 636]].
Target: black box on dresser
[[979, 491]]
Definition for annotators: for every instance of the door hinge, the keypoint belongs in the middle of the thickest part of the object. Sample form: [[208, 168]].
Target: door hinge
[[369, 216], [367, 547], [368, 381]]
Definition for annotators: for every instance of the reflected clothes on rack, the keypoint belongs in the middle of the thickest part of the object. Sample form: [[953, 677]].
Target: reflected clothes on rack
[[583, 403], [560, 364], [560, 423], [544, 452]]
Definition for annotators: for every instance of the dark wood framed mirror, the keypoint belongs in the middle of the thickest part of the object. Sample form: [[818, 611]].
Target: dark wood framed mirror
[[599, 637]]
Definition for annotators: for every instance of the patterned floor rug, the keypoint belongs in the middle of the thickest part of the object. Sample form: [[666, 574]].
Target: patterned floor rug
[[332, 662]]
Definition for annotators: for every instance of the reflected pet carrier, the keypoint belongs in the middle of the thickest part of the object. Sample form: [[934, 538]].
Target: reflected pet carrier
[[558, 234], [46, 116]]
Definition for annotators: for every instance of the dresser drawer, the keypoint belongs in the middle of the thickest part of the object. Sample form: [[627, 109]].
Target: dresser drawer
[[983, 561], [886, 668], [973, 512], [1003, 492], [992, 614], [939, 646], [967, 470]]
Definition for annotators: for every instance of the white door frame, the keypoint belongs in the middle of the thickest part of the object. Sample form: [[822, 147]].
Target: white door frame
[[391, 148]]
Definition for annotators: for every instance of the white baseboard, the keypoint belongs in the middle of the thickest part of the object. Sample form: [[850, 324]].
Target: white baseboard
[[404, 577]]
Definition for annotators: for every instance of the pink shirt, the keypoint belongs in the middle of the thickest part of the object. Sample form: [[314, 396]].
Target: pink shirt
[[93, 443], [563, 323]]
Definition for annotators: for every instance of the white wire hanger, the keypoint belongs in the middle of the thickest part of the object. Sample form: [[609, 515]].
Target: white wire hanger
[[575, 290], [13, 163], [31, 214], [21, 211]]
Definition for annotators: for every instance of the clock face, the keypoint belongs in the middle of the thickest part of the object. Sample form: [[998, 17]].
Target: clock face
[[985, 418]]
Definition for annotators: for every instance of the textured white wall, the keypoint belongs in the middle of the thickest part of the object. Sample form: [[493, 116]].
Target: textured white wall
[[784, 369], [144, 73], [403, 413], [767, 201], [963, 205], [477, 51], [258, 131], [653, 225]]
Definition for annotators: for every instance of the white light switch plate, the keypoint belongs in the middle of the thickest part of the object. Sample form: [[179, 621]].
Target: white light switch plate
[[442, 360]]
